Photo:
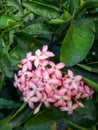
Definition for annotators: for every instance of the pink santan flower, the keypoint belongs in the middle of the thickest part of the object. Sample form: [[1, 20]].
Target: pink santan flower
[[27, 62], [41, 81]]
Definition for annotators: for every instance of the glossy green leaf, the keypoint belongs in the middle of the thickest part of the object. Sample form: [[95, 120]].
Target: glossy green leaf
[[37, 28], [8, 104], [42, 9], [6, 21], [79, 34]]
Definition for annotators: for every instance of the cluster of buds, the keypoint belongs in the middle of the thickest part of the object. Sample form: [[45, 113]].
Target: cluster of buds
[[41, 80]]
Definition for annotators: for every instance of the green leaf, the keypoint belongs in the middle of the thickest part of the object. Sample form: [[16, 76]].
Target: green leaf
[[25, 44], [42, 9], [6, 21], [20, 116], [8, 104], [16, 4], [88, 68], [4, 125], [77, 42], [5, 65], [91, 4], [74, 7], [64, 18], [19, 128], [43, 121], [92, 84], [37, 28]]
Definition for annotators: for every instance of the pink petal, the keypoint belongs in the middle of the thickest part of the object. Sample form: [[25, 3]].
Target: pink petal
[[32, 58], [47, 105], [31, 93], [16, 77], [36, 63], [78, 77], [24, 61], [24, 67], [87, 89], [58, 74], [64, 108], [81, 104], [43, 57], [76, 105], [62, 91], [34, 99], [45, 48], [45, 75], [52, 64], [60, 65], [29, 54], [78, 95], [70, 73], [31, 105], [29, 65], [50, 54], [38, 52], [22, 79], [54, 81]]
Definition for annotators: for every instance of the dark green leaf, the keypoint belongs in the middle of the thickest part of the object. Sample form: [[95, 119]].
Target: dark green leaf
[[8, 104], [37, 28], [25, 44], [5, 65], [80, 34], [20, 116], [4, 125], [42, 9], [19, 128], [43, 121]]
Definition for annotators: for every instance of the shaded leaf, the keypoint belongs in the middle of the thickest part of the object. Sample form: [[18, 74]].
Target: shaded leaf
[[5, 65], [16, 4], [20, 116], [42, 9], [43, 121], [4, 125], [8, 104], [80, 34], [37, 28]]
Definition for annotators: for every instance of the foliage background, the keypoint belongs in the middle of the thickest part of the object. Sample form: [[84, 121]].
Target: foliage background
[[70, 28]]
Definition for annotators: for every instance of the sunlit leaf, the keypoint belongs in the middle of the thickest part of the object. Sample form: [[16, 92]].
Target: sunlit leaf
[[6, 21]]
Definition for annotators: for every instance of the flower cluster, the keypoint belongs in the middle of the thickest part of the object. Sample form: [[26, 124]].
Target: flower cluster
[[41, 80]]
